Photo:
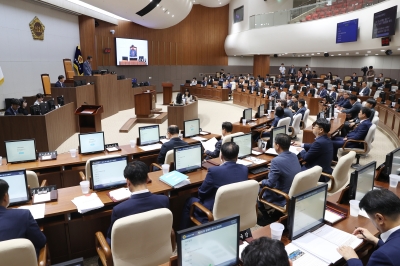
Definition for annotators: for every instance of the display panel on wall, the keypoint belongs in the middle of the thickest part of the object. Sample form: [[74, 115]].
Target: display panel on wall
[[384, 24], [238, 14], [131, 52], [347, 31]]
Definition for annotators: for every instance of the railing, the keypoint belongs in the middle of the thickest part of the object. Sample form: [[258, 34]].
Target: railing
[[308, 12]]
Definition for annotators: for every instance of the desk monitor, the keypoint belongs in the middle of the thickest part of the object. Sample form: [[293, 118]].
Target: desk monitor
[[191, 128], [91, 142], [275, 131], [261, 110], [187, 81], [213, 243], [362, 181], [247, 114], [51, 105], [307, 211], [188, 158], [392, 162], [149, 135], [18, 186], [132, 58], [244, 142], [18, 151], [60, 100], [35, 110], [199, 82], [108, 172], [125, 58], [321, 114], [44, 108]]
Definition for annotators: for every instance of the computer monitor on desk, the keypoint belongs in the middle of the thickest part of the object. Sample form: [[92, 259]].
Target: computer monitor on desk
[[214, 243], [149, 135], [307, 211], [108, 172], [261, 110], [18, 151], [187, 158], [44, 108], [191, 128], [392, 162], [244, 142], [247, 114], [275, 131], [91, 142], [18, 186], [362, 181]]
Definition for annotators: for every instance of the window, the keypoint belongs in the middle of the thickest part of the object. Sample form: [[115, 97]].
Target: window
[[238, 14]]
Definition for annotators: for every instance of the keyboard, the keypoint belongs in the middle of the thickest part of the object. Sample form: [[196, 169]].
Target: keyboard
[[259, 170]]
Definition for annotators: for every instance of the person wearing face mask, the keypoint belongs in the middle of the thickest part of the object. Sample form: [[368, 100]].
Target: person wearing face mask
[[18, 223]]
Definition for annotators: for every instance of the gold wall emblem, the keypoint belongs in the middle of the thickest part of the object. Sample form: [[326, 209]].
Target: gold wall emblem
[[37, 29]]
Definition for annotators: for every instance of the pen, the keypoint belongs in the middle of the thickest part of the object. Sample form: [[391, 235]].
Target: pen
[[362, 233]]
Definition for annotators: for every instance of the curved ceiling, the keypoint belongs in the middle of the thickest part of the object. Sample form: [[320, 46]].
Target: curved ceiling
[[167, 13]]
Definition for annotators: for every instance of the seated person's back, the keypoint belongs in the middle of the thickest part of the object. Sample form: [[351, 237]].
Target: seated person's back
[[174, 141], [18, 223], [141, 200]]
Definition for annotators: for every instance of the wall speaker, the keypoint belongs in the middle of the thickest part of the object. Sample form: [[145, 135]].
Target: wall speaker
[[275, 55], [326, 54], [388, 52]]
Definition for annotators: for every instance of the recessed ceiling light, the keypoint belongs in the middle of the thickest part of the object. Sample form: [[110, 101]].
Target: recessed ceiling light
[[173, 15], [369, 52], [234, 55], [302, 55], [339, 54], [312, 54], [332, 55], [158, 4], [347, 53], [168, 12], [357, 53], [318, 53], [307, 54], [376, 54], [285, 53], [382, 50], [398, 48]]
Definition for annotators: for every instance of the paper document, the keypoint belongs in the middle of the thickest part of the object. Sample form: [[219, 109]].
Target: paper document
[[41, 197], [199, 138], [209, 145], [87, 112], [164, 140], [151, 147], [112, 149], [120, 194], [243, 162], [331, 216], [46, 157], [256, 152], [87, 203], [204, 133], [291, 149], [338, 237], [300, 257], [36, 210], [255, 160]]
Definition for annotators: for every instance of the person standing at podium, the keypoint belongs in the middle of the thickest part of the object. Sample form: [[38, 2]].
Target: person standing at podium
[[87, 67], [174, 141]]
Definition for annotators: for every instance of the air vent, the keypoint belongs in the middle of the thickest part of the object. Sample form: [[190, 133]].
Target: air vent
[[148, 8]]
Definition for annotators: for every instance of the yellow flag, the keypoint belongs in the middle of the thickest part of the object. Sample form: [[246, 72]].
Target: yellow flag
[[1, 77]]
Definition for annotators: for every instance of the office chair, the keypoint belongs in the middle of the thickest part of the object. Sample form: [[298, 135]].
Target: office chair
[[144, 239], [305, 119], [17, 252], [228, 138], [169, 159], [33, 180], [46, 84], [237, 198], [295, 127]]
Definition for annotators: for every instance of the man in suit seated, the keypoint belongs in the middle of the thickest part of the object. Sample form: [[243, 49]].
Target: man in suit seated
[[282, 171], [265, 251], [227, 173], [226, 130], [302, 108], [39, 98], [364, 89], [355, 108], [340, 99], [323, 92], [141, 199], [314, 75], [204, 83], [345, 104], [354, 77], [274, 94], [311, 90], [13, 110], [174, 141], [383, 208], [18, 223], [294, 103], [60, 82], [359, 133], [320, 151], [351, 124]]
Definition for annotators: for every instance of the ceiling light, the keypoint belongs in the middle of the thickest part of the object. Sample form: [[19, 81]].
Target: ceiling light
[[307, 54], [318, 53], [376, 54], [339, 54], [158, 4], [173, 15], [302, 55], [347, 53], [356, 52], [312, 54], [285, 53], [398, 48], [163, 8], [168, 12], [382, 50], [234, 55], [80, 3], [332, 55], [369, 52]]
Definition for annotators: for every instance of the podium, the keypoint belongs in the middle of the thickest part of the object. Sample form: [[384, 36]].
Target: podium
[[167, 92], [144, 104], [89, 118]]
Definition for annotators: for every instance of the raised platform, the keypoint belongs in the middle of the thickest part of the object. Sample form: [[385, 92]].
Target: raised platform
[[151, 120]]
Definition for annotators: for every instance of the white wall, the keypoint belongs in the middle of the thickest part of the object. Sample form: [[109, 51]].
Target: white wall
[[312, 36], [23, 59]]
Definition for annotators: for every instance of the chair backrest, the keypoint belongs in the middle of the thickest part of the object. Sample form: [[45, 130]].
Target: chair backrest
[[142, 239], [17, 252], [305, 180], [228, 138], [46, 84], [284, 122], [341, 171], [68, 69], [238, 198], [296, 123], [370, 136], [305, 118], [88, 172], [376, 113], [169, 157], [32, 179], [282, 95], [375, 120]]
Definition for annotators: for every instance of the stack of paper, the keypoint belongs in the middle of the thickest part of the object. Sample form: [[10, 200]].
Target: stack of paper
[[255, 160], [87, 203], [36, 210], [291, 149], [198, 138], [175, 179], [209, 145], [151, 147], [243, 162], [120, 194]]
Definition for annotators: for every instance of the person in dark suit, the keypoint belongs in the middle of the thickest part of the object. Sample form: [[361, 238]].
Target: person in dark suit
[[226, 130], [292, 70], [354, 78], [18, 223], [60, 82], [274, 94], [383, 208], [332, 92], [13, 109], [87, 67], [323, 92], [174, 141], [328, 76], [282, 171], [359, 133], [227, 173], [340, 99], [314, 75], [141, 199], [345, 104], [320, 151], [294, 103], [355, 107], [204, 83], [279, 114], [365, 90], [302, 108]]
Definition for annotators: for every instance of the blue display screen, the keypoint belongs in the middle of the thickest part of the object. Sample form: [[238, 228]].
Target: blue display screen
[[347, 31]]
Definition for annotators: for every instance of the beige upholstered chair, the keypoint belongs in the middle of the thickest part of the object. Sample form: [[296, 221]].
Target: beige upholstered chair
[[236, 198], [17, 252], [228, 138], [282, 95], [376, 113], [282, 122], [375, 120], [305, 119], [169, 159], [360, 151], [46, 84], [33, 180], [143, 239], [340, 175], [301, 182], [295, 127], [88, 173]]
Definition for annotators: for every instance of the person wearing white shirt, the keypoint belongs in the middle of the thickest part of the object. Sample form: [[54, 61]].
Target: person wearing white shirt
[[194, 82], [383, 209], [282, 70], [308, 68]]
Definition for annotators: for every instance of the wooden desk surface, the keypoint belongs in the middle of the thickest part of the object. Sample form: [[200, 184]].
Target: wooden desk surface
[[336, 125], [239, 127]]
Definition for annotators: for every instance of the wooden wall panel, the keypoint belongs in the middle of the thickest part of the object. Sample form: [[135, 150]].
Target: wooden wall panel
[[261, 65], [197, 40]]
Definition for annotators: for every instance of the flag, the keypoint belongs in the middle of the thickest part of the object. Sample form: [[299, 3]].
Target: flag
[[78, 61], [1, 77]]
